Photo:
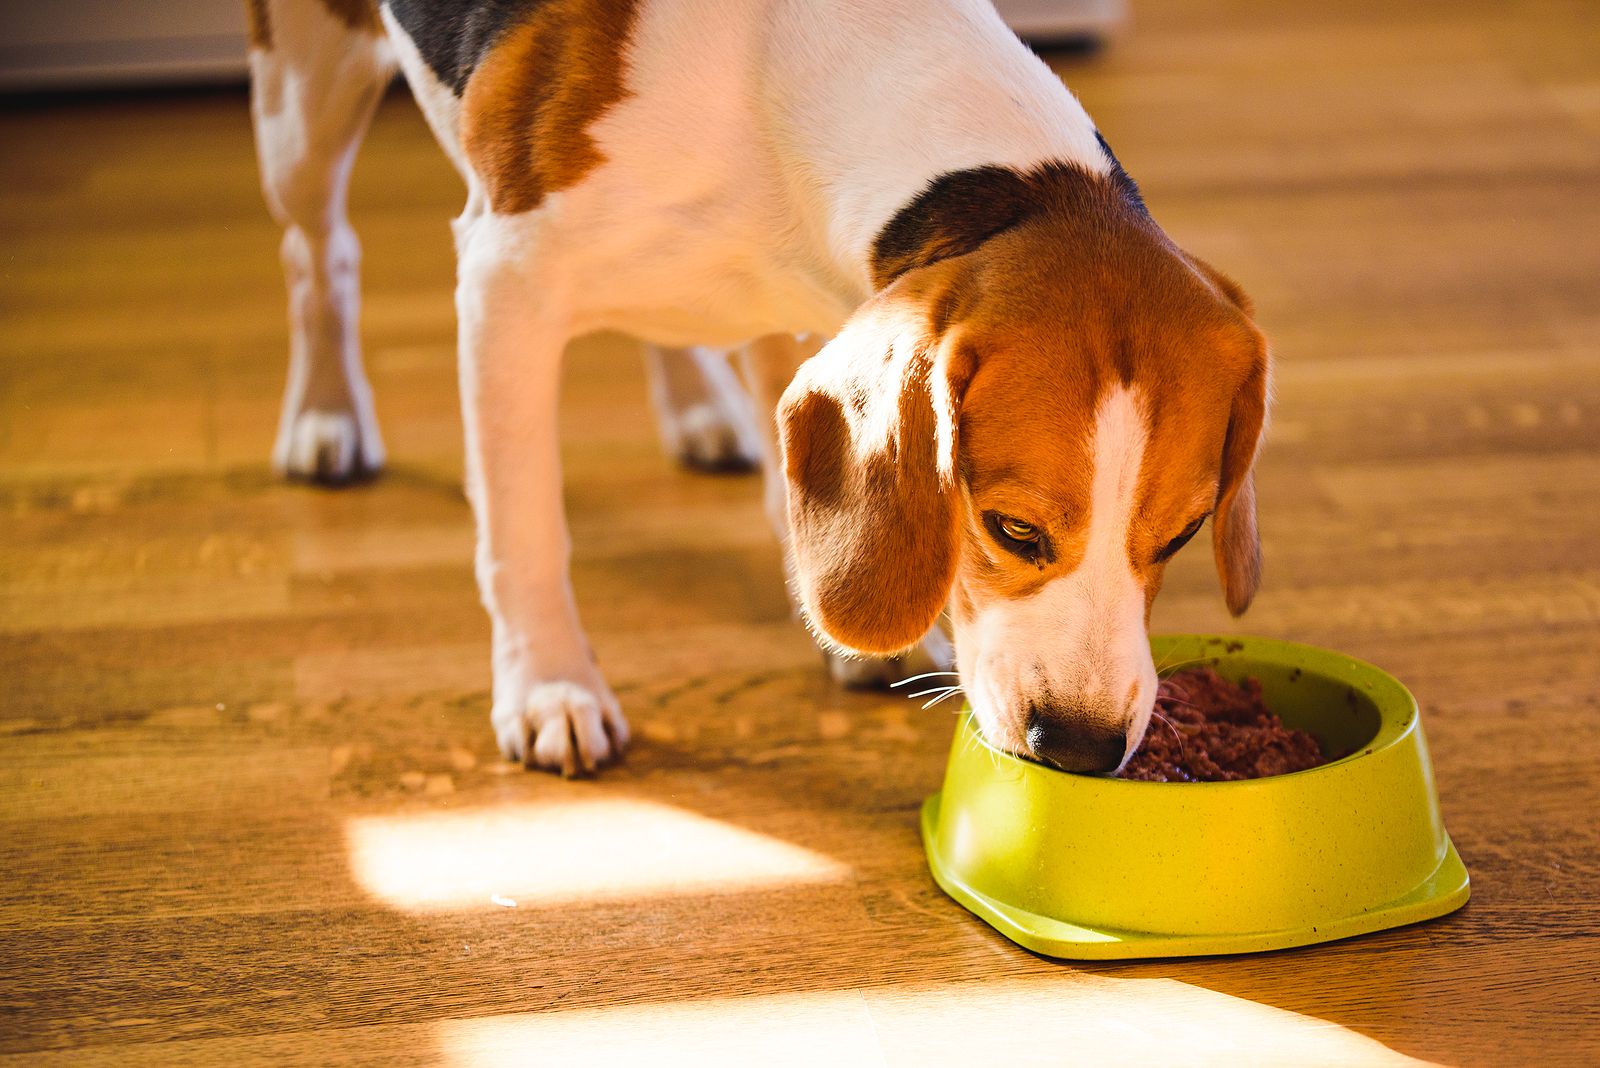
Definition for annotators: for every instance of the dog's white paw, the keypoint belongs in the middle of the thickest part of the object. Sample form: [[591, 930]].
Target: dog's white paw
[[563, 727], [933, 653], [706, 439], [328, 447]]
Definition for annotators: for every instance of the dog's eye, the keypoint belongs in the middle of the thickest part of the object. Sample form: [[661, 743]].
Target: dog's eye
[[1180, 541], [1020, 538], [1017, 530]]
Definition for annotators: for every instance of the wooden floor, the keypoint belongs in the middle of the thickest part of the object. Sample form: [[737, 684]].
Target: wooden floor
[[251, 807]]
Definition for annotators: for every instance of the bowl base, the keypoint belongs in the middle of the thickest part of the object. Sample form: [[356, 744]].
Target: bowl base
[[1442, 892]]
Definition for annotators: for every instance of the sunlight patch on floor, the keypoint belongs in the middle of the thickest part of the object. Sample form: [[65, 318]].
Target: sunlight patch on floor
[[1067, 1019], [531, 855]]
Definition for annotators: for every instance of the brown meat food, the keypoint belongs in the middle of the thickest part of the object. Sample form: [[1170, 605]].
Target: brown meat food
[[1207, 729]]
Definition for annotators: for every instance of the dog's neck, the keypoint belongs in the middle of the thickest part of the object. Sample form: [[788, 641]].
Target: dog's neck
[[872, 105]]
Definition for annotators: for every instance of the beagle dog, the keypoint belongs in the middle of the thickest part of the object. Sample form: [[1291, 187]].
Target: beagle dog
[[1001, 392]]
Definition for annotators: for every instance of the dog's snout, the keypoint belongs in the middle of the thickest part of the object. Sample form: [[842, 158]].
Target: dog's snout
[[1072, 744]]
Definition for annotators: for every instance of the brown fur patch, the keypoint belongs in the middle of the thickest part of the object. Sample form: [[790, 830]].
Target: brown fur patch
[[356, 14], [260, 21], [527, 108]]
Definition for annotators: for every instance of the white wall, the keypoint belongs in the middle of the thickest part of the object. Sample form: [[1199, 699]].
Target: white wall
[[73, 43]]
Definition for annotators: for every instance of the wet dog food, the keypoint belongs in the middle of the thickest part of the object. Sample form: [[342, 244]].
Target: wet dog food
[[1207, 729]]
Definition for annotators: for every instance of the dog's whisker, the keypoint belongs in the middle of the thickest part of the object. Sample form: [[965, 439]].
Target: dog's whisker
[[1164, 666], [935, 689], [1183, 750], [944, 696], [924, 675]]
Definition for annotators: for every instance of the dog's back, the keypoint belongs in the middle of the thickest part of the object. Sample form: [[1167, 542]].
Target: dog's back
[[780, 134]]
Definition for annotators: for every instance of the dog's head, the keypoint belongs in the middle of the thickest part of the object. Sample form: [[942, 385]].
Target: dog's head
[[1024, 425]]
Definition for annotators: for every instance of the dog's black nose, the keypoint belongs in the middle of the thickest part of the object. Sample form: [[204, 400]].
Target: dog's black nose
[[1073, 745]]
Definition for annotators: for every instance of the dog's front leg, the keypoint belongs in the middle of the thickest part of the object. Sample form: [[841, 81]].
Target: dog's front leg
[[768, 364], [551, 706]]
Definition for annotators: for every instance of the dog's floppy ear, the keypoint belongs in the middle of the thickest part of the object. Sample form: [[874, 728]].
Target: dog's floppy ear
[[1234, 538], [868, 428]]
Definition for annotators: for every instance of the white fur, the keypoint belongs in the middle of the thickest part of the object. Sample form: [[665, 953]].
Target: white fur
[[871, 101], [759, 150], [745, 127], [1082, 636]]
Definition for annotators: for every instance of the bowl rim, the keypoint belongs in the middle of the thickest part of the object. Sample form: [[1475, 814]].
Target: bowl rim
[[1398, 712]]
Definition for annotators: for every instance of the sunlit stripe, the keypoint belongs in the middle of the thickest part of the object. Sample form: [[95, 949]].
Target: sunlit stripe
[[591, 850], [1072, 1019]]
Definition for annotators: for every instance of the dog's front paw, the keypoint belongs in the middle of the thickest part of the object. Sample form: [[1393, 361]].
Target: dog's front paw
[[933, 653], [327, 446], [561, 726]]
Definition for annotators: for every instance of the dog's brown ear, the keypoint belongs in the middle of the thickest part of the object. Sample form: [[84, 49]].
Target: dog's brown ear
[[1234, 538], [868, 429]]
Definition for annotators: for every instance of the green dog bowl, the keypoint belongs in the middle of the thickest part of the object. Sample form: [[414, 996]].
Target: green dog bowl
[[1087, 867]]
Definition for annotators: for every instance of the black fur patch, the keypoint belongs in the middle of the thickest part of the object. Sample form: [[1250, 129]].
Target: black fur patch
[[958, 211], [1120, 176], [454, 35]]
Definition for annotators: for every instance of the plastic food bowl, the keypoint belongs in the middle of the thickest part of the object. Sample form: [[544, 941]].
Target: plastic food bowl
[[1088, 867]]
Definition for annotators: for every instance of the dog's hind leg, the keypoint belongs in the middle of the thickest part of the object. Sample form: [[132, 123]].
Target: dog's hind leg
[[318, 70], [703, 412]]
